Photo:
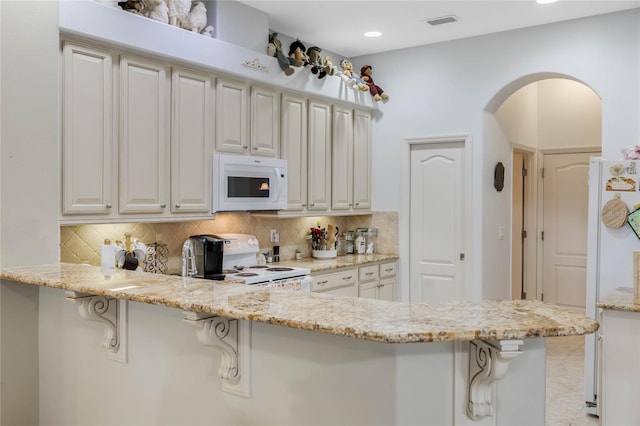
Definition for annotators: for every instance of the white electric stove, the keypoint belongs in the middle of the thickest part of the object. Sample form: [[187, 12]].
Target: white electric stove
[[239, 262]]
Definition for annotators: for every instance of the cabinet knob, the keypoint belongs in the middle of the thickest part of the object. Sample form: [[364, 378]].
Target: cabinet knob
[[357, 204], [255, 148], [163, 205], [177, 206], [108, 205], [245, 147], [312, 205], [304, 205]]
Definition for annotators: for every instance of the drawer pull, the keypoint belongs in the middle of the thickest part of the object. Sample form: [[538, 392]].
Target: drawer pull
[[322, 282], [388, 270], [368, 273], [347, 278]]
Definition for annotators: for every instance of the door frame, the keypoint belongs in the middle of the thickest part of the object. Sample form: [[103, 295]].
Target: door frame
[[595, 150], [530, 219], [404, 279]]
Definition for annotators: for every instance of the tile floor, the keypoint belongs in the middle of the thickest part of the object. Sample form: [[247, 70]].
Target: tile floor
[[565, 381]]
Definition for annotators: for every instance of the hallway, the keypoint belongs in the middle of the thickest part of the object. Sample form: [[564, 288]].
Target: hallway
[[565, 380]]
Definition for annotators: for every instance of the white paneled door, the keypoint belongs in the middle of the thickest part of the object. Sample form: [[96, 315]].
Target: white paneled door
[[437, 224], [565, 200]]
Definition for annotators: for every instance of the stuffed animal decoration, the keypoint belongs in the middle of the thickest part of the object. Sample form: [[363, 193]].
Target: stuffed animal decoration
[[274, 48], [315, 61], [178, 10], [196, 19], [376, 91], [207, 31], [353, 79], [156, 10], [327, 64], [133, 6], [297, 53]]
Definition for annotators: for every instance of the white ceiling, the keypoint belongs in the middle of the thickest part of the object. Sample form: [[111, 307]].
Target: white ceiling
[[338, 26]]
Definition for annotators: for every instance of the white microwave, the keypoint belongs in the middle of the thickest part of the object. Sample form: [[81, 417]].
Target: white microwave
[[243, 183]]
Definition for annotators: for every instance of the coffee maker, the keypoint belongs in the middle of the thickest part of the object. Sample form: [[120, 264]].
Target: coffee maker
[[208, 251]]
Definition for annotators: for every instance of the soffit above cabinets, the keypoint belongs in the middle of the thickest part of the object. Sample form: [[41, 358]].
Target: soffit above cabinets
[[103, 23]]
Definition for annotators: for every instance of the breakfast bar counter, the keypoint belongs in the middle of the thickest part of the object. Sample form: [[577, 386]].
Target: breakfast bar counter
[[374, 320], [287, 357]]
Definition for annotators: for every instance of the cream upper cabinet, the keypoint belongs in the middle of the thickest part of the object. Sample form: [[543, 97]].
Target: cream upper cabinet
[[247, 119], [293, 148], [144, 136], [361, 160], [192, 140], [319, 157], [265, 122], [232, 117], [342, 159], [88, 170]]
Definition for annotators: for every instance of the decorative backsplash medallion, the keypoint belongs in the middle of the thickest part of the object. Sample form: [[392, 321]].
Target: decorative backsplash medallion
[[81, 244]]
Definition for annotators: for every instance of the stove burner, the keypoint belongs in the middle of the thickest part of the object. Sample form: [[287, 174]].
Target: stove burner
[[279, 269], [258, 267], [246, 274]]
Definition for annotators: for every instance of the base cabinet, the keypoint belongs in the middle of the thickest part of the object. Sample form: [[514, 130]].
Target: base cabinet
[[376, 281], [620, 372]]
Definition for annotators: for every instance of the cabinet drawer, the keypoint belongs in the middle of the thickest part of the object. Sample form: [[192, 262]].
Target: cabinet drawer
[[334, 280], [388, 269], [368, 273]]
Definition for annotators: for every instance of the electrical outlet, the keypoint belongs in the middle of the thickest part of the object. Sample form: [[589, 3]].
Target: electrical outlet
[[275, 237]]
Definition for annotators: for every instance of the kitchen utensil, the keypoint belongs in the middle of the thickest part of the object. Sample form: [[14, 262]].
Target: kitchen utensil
[[130, 261], [614, 213], [331, 236]]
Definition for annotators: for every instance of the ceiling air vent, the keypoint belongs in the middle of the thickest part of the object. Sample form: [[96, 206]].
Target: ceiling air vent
[[442, 20]]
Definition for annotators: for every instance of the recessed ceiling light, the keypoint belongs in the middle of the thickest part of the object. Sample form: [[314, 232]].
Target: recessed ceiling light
[[372, 34], [545, 1]]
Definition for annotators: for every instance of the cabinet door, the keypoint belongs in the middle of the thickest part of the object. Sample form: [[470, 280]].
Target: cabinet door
[[191, 142], [342, 159], [319, 158], [265, 122], [232, 120], [386, 289], [361, 160], [144, 136], [87, 131], [368, 290], [294, 149]]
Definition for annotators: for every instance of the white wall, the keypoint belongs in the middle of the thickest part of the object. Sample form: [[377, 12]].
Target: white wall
[[518, 116], [443, 89], [29, 190]]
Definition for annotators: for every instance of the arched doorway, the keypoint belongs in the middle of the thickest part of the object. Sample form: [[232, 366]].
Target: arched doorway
[[557, 121], [553, 125]]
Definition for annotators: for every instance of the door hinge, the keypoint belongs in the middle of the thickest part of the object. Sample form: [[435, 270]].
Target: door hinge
[[524, 233], [524, 172], [523, 295], [542, 297], [542, 173], [461, 256], [542, 235]]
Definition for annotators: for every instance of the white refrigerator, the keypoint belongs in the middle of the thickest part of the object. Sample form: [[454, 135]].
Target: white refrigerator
[[609, 250]]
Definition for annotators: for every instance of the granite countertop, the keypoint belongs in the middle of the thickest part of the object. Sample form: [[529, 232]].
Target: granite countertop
[[374, 320], [620, 299], [348, 261]]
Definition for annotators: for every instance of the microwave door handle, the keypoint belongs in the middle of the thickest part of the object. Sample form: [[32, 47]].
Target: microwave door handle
[[281, 179]]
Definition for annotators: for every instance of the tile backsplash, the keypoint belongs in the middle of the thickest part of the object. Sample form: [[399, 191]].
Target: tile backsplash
[[81, 243]]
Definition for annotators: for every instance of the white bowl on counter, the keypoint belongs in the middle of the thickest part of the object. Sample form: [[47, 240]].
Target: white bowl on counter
[[324, 254]]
